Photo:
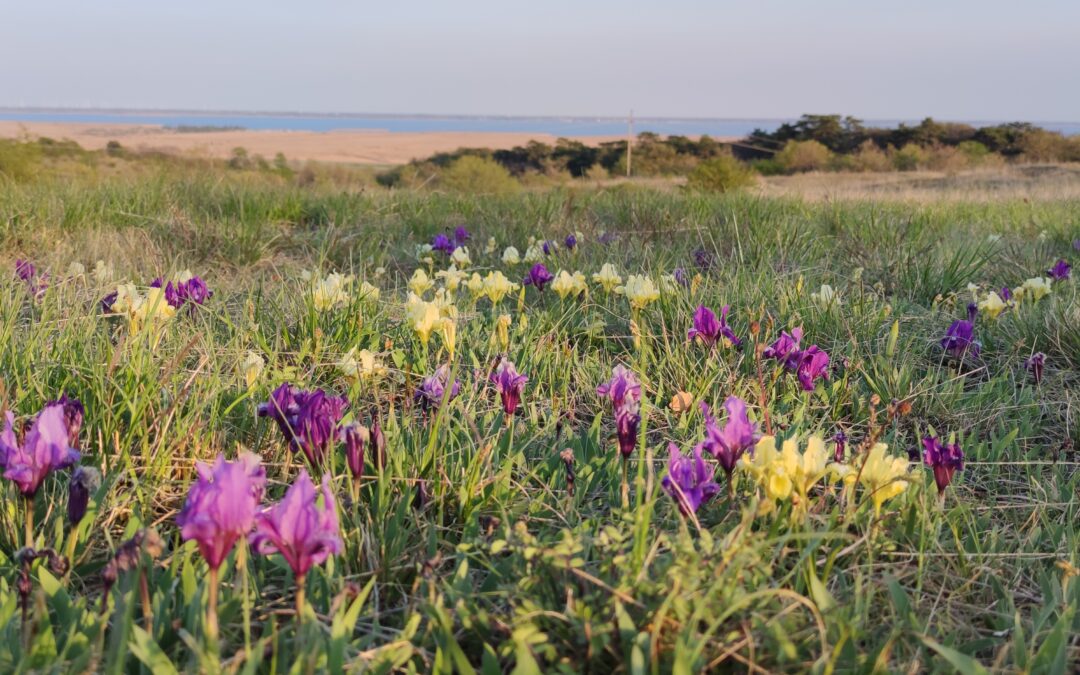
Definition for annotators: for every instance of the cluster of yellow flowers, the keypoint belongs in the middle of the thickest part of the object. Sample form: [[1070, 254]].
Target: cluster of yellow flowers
[[427, 317], [1035, 288], [144, 310], [992, 305], [330, 291], [362, 365], [608, 278], [639, 291], [567, 284], [790, 475]]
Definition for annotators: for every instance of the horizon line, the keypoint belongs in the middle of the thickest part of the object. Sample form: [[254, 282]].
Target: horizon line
[[463, 116]]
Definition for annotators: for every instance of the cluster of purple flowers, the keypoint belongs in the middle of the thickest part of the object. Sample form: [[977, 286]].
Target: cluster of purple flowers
[[709, 330], [224, 504], [445, 244], [689, 480], [28, 273], [959, 339], [429, 395], [624, 391], [509, 383], [179, 293], [945, 460], [538, 276], [1060, 271], [808, 364], [728, 443], [48, 446], [308, 419]]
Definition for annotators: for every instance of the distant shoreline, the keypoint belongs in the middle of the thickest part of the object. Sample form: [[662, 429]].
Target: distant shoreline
[[369, 147], [570, 126]]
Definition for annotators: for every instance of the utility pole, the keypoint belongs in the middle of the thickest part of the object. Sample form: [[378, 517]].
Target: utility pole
[[629, 140]]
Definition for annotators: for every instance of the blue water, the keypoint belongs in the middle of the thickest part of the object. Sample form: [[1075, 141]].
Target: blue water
[[557, 126]]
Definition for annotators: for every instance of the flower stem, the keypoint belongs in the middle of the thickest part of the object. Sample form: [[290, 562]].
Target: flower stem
[[625, 484], [300, 584], [29, 502], [211, 610], [241, 564]]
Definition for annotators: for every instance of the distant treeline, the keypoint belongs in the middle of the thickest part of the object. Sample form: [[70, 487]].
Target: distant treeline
[[813, 143]]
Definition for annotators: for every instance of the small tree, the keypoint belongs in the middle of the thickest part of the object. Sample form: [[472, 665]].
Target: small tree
[[798, 156], [477, 174], [720, 174]]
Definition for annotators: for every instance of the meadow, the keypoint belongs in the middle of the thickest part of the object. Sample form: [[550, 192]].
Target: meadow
[[495, 525]]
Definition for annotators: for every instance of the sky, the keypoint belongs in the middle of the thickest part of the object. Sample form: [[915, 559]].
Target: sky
[[950, 59]]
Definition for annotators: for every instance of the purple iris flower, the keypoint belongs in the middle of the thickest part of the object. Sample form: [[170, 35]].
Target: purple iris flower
[[509, 383], [85, 481], [570, 242], [442, 243], [539, 276], [813, 364], [304, 534], [709, 329], [704, 260], [959, 339], [44, 450], [786, 348], [689, 480], [627, 423], [944, 460], [840, 439], [728, 444], [73, 417], [607, 238], [548, 247], [432, 389], [623, 387], [307, 419], [25, 270], [1006, 293], [461, 235], [681, 277], [108, 301], [1035, 364], [221, 505], [177, 293], [355, 436], [1060, 271], [624, 390]]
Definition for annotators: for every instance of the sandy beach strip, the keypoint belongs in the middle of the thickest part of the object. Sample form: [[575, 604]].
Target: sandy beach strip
[[352, 147]]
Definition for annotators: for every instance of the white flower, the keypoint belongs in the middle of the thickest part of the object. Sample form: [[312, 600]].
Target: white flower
[[76, 269], [491, 246], [825, 296], [362, 365], [534, 253], [639, 291], [251, 368], [511, 256], [103, 272], [460, 256], [608, 277]]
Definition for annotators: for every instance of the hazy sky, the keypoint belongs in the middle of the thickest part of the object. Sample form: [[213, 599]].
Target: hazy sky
[[952, 59]]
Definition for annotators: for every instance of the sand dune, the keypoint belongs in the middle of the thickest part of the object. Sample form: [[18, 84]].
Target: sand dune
[[354, 147]]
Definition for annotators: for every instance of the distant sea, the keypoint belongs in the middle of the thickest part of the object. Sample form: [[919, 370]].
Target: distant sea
[[556, 126]]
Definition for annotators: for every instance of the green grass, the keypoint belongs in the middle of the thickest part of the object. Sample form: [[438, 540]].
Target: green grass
[[504, 568]]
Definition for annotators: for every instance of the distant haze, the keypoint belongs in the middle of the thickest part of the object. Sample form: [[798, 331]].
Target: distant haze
[[955, 59]]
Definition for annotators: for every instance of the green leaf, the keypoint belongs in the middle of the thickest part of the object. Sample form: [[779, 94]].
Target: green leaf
[[961, 662], [145, 649]]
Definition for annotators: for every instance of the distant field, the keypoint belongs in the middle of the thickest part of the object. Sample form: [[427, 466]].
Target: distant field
[[481, 540]]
